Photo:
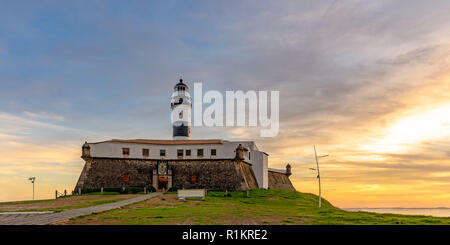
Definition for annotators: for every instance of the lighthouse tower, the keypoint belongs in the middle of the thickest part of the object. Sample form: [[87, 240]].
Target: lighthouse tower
[[181, 111]]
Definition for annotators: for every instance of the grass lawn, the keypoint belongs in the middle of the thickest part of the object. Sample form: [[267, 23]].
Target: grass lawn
[[278, 207], [24, 202], [64, 203]]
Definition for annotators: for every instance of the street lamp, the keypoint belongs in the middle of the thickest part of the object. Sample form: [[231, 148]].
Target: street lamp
[[32, 179], [318, 174]]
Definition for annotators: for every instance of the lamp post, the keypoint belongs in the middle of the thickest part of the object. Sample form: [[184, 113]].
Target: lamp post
[[32, 179], [318, 174]]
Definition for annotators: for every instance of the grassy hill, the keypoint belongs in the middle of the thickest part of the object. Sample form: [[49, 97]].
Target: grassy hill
[[261, 207], [64, 203]]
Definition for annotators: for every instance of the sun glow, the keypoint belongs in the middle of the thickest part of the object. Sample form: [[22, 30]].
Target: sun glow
[[430, 125]]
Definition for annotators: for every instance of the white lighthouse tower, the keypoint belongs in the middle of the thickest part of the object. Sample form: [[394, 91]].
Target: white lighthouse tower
[[181, 111]]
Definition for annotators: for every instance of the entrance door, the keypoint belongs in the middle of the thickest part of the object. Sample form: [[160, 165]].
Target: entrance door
[[162, 183]]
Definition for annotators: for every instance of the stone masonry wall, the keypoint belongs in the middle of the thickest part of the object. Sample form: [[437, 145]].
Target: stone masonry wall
[[226, 174], [280, 181], [249, 175]]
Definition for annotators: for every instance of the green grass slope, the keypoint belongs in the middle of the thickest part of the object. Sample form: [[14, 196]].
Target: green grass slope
[[261, 207], [63, 203]]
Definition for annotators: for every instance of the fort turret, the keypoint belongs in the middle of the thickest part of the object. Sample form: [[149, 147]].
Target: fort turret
[[86, 150], [288, 170]]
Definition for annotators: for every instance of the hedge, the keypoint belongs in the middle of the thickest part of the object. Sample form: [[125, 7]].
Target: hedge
[[131, 190]]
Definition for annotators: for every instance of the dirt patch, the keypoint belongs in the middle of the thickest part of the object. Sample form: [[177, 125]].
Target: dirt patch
[[166, 199], [62, 222], [188, 222], [66, 202], [93, 219], [259, 220]]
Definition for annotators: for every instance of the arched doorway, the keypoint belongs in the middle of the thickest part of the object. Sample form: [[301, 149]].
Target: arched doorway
[[162, 183], [162, 176]]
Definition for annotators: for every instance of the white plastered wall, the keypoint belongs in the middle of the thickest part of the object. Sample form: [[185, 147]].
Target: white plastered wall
[[260, 167]]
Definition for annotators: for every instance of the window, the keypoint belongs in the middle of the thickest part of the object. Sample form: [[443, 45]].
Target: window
[[213, 152], [145, 152], [188, 152], [126, 177], [179, 153], [126, 151], [194, 179], [162, 153], [200, 152]]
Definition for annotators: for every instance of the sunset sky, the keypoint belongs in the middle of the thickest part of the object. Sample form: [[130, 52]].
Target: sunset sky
[[367, 82]]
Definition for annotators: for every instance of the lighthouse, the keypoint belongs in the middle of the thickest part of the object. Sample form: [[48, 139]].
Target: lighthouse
[[213, 164], [181, 111]]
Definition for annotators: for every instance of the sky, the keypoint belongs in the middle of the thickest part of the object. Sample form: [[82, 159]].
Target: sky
[[367, 82]]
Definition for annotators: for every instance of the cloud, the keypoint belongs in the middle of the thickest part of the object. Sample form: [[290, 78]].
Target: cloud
[[347, 71], [44, 115]]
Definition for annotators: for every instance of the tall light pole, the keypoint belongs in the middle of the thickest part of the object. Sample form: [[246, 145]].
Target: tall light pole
[[318, 174], [32, 179]]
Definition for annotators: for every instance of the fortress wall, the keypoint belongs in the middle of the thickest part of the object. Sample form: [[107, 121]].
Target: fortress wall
[[226, 174], [211, 174], [249, 175], [280, 181], [105, 172]]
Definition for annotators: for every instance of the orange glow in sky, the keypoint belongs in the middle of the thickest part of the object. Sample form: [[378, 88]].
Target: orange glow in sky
[[367, 82]]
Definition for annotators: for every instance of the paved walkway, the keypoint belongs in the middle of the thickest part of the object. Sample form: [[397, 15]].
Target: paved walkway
[[34, 218]]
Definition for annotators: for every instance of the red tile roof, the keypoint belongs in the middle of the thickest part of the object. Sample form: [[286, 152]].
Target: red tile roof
[[167, 142]]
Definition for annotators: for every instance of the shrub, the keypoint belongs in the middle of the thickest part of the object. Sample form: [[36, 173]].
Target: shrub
[[134, 190], [173, 189], [89, 190], [112, 189], [126, 190]]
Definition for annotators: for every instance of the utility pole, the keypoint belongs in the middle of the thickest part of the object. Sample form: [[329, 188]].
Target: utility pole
[[318, 175], [32, 179]]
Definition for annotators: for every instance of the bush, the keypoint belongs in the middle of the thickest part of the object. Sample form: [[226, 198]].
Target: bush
[[112, 189], [89, 190], [173, 189], [126, 190], [134, 190]]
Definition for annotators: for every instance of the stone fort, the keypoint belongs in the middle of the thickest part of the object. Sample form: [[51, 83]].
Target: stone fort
[[181, 162]]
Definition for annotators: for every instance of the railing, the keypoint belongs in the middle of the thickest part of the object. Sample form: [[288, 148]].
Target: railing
[[60, 194]]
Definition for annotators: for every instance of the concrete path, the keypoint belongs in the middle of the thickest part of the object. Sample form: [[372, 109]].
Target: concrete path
[[34, 218]]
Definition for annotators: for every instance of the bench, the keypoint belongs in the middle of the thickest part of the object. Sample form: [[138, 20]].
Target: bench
[[186, 193]]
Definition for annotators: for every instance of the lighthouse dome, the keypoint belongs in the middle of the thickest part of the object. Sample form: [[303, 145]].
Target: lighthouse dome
[[180, 86]]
